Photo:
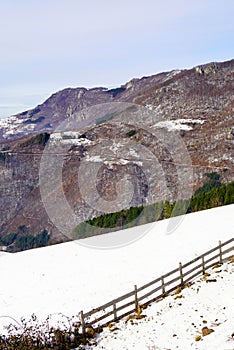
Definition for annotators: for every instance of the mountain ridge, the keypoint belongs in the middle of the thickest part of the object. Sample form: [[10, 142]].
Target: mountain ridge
[[62, 104], [125, 131]]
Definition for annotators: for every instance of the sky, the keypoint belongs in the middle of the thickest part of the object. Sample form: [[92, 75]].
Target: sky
[[49, 45]]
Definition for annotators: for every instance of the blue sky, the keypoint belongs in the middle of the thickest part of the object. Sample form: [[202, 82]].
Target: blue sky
[[48, 45]]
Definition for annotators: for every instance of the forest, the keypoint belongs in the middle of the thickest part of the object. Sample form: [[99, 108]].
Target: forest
[[212, 194]]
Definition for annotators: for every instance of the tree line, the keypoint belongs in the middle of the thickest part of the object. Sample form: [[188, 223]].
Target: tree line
[[17, 241], [211, 194]]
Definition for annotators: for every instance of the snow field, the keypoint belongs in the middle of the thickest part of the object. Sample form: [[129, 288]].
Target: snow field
[[177, 321], [74, 276]]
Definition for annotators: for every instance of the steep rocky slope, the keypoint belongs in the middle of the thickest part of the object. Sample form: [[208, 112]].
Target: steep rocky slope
[[105, 150]]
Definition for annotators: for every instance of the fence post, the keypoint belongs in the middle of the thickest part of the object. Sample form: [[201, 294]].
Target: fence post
[[220, 253], [82, 322], [114, 311], [163, 286], [136, 299], [181, 274], [203, 265]]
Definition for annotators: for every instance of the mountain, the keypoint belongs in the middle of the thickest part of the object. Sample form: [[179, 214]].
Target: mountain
[[68, 102], [84, 152], [199, 91]]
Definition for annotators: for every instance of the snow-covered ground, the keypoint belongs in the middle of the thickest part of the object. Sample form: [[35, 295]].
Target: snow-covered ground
[[70, 138], [180, 321], [15, 125], [69, 277], [179, 124]]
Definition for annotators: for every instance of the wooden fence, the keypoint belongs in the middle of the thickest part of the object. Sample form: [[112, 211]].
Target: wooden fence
[[160, 287]]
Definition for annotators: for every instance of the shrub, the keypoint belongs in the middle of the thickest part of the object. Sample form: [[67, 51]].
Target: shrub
[[3, 156], [29, 241], [213, 176], [40, 139], [35, 335], [213, 182], [8, 239], [25, 242], [131, 133]]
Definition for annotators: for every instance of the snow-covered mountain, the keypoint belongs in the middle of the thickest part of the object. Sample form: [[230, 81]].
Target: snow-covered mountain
[[74, 276]]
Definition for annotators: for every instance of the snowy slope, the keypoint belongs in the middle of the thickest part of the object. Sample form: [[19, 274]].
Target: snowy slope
[[69, 277], [178, 321]]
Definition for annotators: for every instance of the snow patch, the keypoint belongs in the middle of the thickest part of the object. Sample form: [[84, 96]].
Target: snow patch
[[69, 137], [150, 107], [95, 159], [110, 163], [172, 74], [10, 124], [179, 124]]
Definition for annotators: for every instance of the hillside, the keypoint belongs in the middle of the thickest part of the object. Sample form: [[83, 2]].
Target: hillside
[[148, 140], [66, 278], [181, 321]]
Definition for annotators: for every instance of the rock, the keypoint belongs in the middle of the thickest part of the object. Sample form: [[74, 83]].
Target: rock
[[211, 280], [210, 68], [206, 331], [198, 337]]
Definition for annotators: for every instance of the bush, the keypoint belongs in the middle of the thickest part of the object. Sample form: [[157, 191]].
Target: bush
[[131, 133], [207, 187], [42, 239], [4, 156], [212, 183], [34, 335], [8, 239], [29, 241], [40, 139], [25, 242], [213, 176]]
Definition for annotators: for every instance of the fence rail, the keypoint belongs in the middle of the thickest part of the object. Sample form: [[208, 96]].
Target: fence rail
[[156, 289]]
